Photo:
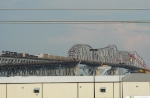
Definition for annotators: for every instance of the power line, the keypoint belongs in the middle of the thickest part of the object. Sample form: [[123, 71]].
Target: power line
[[71, 9], [70, 22]]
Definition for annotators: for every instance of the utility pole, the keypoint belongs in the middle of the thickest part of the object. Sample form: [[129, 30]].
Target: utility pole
[[93, 50]]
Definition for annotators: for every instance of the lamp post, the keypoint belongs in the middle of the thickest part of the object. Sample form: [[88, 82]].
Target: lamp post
[[93, 50]]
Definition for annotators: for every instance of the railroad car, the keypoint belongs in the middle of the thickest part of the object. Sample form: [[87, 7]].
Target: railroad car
[[52, 57], [39, 56]]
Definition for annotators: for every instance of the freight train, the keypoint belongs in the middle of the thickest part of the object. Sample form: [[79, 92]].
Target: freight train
[[52, 57], [16, 54], [39, 56]]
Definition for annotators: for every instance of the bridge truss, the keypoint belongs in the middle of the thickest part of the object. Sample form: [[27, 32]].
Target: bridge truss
[[10, 66], [79, 53], [109, 55]]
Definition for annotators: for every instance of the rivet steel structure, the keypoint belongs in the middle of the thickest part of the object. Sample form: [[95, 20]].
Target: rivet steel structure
[[79, 53], [109, 55]]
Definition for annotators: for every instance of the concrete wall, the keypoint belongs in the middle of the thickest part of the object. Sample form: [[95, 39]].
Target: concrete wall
[[75, 90]]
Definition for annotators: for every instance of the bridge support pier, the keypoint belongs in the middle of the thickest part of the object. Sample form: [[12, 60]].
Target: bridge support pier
[[75, 70], [112, 71], [91, 70], [97, 69]]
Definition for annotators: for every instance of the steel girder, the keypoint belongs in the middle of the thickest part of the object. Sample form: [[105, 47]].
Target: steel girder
[[42, 70], [109, 54], [9, 60], [80, 52]]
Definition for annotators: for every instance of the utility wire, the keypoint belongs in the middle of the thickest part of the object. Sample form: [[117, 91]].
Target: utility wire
[[71, 9], [70, 22]]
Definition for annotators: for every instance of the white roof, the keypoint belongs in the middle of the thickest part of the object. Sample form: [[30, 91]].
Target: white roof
[[48, 79]]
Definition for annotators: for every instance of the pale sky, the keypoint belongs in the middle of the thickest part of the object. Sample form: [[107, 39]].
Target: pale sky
[[59, 38]]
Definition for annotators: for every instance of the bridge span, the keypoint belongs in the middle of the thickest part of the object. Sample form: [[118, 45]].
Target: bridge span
[[108, 55], [77, 54]]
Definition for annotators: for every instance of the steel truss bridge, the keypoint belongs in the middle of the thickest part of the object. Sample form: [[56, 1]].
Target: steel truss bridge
[[79, 53]]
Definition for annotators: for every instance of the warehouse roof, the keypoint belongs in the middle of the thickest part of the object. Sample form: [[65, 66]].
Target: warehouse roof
[[137, 77], [46, 79]]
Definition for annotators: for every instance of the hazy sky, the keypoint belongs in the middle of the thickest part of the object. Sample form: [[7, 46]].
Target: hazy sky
[[59, 38]]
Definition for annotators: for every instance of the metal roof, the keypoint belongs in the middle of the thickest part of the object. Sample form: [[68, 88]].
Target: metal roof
[[136, 77], [52, 79]]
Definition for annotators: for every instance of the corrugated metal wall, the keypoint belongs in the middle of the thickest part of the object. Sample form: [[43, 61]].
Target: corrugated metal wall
[[75, 90], [60, 90], [2, 90], [117, 90], [136, 89], [23, 91], [85, 90], [109, 90]]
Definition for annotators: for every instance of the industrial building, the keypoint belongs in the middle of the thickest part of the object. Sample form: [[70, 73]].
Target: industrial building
[[126, 86]]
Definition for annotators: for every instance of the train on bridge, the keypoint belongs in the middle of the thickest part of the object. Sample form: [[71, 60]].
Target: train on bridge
[[12, 63], [39, 56]]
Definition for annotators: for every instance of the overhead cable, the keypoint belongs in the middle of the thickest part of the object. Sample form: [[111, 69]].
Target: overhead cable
[[70, 22], [74, 9]]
